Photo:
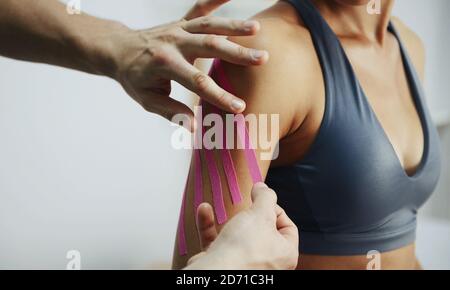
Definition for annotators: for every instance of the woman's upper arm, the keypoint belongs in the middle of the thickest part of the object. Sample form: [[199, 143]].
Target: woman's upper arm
[[224, 177]]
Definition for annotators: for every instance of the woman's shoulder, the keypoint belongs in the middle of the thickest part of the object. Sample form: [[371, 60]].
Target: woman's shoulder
[[282, 29], [413, 44], [409, 36], [287, 83], [292, 56], [289, 45], [282, 33]]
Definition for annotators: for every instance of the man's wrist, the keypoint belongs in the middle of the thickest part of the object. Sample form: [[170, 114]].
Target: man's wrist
[[99, 45]]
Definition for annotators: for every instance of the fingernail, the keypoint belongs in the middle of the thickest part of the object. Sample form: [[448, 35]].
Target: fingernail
[[257, 54], [250, 25], [237, 105]]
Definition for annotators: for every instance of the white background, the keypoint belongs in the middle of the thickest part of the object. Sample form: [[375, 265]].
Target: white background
[[83, 167]]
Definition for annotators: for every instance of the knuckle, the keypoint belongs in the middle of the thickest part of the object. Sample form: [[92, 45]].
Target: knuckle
[[268, 192], [161, 111], [222, 97], [211, 42], [273, 195], [201, 81], [171, 35], [206, 22], [178, 30], [272, 192], [160, 57], [242, 51], [166, 113], [148, 107], [235, 25], [165, 32], [182, 23]]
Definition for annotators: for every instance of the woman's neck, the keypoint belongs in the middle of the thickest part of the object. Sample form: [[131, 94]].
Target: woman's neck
[[354, 21]]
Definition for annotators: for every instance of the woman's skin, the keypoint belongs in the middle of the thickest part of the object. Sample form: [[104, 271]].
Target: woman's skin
[[292, 85]]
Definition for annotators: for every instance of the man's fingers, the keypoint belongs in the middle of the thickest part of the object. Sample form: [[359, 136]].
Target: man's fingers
[[168, 108], [264, 200], [200, 83], [261, 193], [221, 26], [203, 8], [213, 46], [283, 221], [206, 226], [286, 226]]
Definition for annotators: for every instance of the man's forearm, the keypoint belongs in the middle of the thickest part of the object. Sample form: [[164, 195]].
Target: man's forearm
[[43, 31]]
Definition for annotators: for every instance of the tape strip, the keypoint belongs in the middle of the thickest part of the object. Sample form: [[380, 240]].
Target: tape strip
[[229, 169], [228, 165], [255, 172], [230, 172], [198, 181], [182, 246], [216, 186], [249, 153]]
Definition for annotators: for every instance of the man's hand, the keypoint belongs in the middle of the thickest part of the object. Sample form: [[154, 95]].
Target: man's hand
[[143, 61], [147, 60], [262, 237]]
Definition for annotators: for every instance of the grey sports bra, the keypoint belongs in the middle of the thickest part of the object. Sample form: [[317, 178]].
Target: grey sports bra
[[350, 195]]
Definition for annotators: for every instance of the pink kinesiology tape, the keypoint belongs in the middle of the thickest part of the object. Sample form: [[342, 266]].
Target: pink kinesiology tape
[[182, 247], [228, 167], [216, 186], [198, 181], [243, 134], [250, 155], [230, 173], [198, 178]]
